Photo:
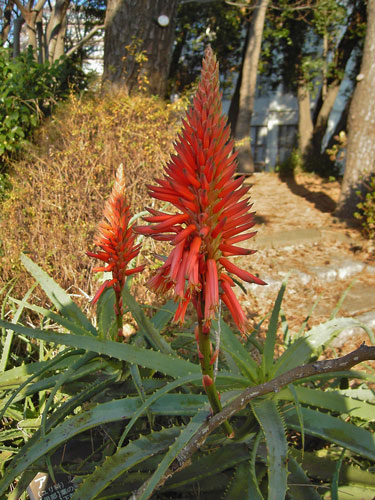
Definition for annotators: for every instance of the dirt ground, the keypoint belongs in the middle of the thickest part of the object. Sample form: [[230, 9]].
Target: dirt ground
[[305, 202]]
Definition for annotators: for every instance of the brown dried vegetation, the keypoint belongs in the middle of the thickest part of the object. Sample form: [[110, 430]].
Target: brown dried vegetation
[[59, 189]]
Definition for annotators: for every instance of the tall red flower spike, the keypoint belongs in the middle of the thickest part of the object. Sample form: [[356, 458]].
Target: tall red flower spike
[[116, 237], [212, 214]]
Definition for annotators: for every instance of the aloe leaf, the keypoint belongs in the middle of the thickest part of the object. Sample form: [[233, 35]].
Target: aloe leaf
[[269, 346], [9, 336], [255, 480], [300, 487], [69, 325], [312, 344], [10, 434], [42, 369], [341, 300], [238, 353], [58, 296], [105, 315], [334, 430], [298, 408], [154, 397], [186, 434], [18, 375], [137, 381], [285, 328], [113, 411], [145, 325], [124, 459], [335, 478], [63, 377], [352, 491], [208, 465], [361, 393], [309, 315], [323, 468], [74, 402], [164, 315], [170, 365], [47, 382], [332, 401], [271, 422], [242, 485], [21, 485], [349, 374]]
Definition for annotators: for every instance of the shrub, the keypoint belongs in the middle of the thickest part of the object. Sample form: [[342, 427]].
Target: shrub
[[291, 165], [28, 92], [367, 210], [58, 190]]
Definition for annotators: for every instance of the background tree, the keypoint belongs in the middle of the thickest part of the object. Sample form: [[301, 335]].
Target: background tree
[[199, 24], [247, 86], [137, 44], [49, 28], [360, 152], [308, 51]]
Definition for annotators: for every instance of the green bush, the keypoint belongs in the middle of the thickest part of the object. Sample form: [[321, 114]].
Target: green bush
[[28, 91], [367, 211], [291, 165]]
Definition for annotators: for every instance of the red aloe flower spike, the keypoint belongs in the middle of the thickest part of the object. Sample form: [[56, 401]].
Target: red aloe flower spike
[[116, 239], [210, 216]]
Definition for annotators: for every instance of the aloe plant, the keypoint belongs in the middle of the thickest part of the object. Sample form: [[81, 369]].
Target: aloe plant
[[152, 413]]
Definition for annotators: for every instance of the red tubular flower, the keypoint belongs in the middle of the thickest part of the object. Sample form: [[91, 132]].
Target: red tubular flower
[[212, 215], [116, 238]]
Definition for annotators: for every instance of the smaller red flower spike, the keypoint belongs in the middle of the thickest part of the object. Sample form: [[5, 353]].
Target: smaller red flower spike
[[116, 238], [211, 216]]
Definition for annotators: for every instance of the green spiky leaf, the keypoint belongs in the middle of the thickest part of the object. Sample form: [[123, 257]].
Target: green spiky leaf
[[170, 365], [271, 422], [58, 296], [334, 430]]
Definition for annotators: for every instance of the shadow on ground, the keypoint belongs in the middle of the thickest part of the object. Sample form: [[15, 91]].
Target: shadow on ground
[[321, 200]]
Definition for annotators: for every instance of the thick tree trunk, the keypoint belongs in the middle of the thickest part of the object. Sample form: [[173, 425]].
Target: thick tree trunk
[[248, 87], [137, 49], [305, 124], [360, 154]]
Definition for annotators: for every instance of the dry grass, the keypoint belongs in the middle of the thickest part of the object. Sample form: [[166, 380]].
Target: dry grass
[[59, 189]]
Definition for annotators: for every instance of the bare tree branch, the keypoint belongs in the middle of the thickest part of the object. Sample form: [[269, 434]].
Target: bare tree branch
[[87, 37], [363, 353]]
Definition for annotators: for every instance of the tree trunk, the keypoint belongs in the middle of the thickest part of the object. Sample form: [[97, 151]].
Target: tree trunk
[[30, 15], [330, 89], [360, 153], [7, 15], [137, 49], [305, 124], [235, 101], [18, 22], [248, 87], [55, 25], [40, 37]]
